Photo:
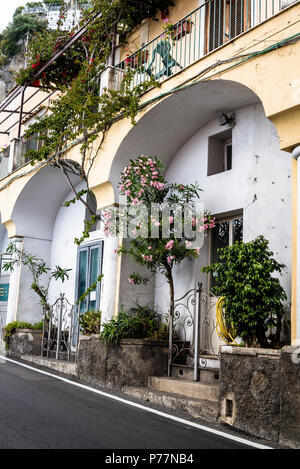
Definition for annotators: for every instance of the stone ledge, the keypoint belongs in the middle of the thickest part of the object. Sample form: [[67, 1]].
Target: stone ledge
[[61, 366], [233, 350], [149, 342]]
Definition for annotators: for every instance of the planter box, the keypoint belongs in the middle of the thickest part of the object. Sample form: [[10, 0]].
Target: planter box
[[250, 390], [128, 364], [24, 342]]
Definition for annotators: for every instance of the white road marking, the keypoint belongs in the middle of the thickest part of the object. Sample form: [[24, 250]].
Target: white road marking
[[142, 407]]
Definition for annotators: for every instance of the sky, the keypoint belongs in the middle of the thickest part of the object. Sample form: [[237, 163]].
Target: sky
[[7, 8]]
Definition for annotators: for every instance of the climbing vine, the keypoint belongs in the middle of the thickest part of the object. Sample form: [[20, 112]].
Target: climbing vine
[[79, 112]]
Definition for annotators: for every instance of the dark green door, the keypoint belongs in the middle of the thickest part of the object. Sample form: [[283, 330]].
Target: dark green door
[[89, 267]]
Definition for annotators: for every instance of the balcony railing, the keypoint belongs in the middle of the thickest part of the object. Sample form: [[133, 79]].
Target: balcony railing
[[4, 162], [210, 26], [22, 146]]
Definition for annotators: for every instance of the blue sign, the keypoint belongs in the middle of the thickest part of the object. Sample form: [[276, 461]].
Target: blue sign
[[4, 289]]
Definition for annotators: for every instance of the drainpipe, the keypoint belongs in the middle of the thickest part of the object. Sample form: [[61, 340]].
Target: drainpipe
[[296, 310]]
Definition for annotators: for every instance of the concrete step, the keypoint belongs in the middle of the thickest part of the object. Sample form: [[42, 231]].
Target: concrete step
[[185, 388], [58, 365], [196, 408], [208, 376]]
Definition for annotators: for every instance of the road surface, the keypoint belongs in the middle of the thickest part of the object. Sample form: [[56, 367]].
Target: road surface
[[39, 411]]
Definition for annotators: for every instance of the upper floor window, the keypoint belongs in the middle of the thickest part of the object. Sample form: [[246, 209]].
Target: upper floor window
[[225, 19], [219, 153]]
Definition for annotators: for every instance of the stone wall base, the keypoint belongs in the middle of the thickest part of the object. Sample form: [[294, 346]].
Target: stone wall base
[[260, 392], [128, 364]]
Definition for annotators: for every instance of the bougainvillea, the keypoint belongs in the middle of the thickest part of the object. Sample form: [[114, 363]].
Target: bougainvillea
[[79, 112]]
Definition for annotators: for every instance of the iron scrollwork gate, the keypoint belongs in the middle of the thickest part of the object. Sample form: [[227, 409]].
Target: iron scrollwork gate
[[195, 326], [61, 331]]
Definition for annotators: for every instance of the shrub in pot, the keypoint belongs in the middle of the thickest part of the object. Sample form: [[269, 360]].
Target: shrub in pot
[[253, 296]]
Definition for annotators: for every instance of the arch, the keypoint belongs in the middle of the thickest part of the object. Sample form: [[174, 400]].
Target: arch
[[169, 124], [36, 206]]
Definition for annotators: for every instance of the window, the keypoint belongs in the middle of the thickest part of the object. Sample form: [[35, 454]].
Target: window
[[226, 232], [219, 153], [89, 267], [225, 19]]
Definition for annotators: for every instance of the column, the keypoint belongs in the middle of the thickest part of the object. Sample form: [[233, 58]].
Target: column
[[295, 314]]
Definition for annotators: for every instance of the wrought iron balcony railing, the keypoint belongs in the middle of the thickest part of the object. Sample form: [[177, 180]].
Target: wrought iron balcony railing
[[210, 26], [22, 146]]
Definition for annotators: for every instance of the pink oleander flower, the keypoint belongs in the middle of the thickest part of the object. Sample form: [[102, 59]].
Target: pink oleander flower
[[171, 219], [188, 244], [149, 247], [169, 245], [170, 259], [136, 201], [197, 251], [147, 258], [131, 280]]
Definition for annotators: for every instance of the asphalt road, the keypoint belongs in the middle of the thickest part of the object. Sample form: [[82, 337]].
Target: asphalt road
[[38, 411]]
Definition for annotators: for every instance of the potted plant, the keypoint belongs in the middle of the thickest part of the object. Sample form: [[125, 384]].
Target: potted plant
[[137, 60], [182, 28]]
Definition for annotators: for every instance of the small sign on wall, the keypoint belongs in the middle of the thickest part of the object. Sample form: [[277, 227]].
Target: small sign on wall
[[4, 289]]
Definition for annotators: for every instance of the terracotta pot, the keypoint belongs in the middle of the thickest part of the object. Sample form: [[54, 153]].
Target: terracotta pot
[[138, 59], [182, 29]]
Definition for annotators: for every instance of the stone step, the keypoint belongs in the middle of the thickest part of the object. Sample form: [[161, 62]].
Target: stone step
[[208, 376], [196, 408], [58, 365], [185, 388]]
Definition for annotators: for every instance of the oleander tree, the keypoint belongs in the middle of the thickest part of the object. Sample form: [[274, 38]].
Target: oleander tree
[[160, 219]]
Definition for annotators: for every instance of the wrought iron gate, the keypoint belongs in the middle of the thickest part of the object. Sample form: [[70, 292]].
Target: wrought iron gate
[[195, 327], [60, 331]]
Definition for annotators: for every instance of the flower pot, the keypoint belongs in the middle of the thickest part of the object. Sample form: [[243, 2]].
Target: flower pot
[[182, 29], [138, 59]]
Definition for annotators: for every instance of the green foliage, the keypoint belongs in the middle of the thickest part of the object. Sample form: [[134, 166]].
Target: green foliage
[[253, 296], [90, 322], [12, 327], [20, 26], [37, 268], [79, 113], [139, 322], [53, 2]]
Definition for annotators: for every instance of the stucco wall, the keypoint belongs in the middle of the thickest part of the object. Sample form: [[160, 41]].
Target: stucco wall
[[259, 184]]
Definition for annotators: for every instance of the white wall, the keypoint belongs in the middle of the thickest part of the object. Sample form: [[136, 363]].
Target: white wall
[[68, 225], [259, 184]]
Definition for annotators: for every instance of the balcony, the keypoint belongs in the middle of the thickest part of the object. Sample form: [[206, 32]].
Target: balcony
[[4, 162], [210, 26], [21, 147]]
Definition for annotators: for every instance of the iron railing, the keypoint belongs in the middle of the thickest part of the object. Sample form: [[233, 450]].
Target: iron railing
[[60, 331], [4, 162], [210, 26], [194, 324], [22, 146]]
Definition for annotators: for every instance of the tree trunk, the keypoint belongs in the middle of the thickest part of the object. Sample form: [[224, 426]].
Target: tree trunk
[[169, 277]]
